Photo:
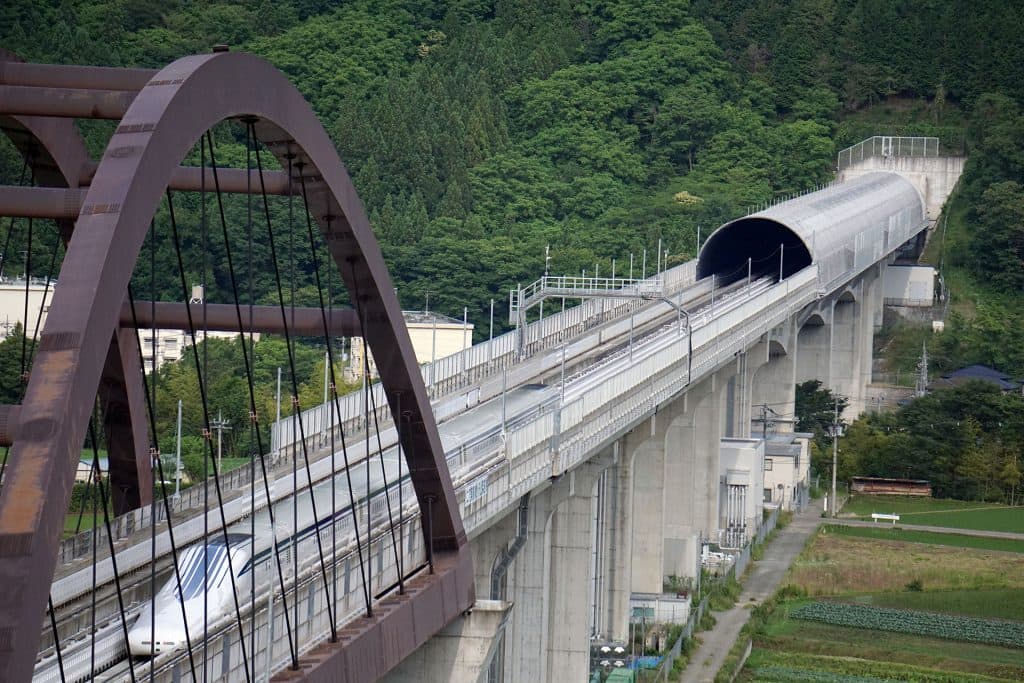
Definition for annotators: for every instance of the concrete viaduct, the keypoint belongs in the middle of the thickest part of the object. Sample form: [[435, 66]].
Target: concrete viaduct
[[588, 449]]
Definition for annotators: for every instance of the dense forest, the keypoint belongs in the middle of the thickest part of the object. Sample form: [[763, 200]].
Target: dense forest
[[479, 132]]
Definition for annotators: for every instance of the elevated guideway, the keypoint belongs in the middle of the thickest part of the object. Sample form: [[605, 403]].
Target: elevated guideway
[[545, 434], [497, 454], [75, 582]]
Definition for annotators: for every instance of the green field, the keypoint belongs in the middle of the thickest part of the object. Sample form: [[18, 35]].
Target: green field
[[887, 532], [929, 573], [957, 514]]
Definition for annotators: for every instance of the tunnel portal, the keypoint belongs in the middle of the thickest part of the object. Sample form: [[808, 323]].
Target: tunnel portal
[[766, 242]]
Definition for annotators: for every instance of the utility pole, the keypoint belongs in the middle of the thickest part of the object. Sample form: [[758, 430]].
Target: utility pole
[[835, 430], [177, 456], [764, 420], [922, 372], [220, 425]]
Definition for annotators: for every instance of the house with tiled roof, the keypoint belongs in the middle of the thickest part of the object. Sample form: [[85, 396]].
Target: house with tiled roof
[[974, 373]]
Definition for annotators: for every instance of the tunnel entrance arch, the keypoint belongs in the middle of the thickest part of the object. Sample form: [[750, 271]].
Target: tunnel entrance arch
[[770, 247]]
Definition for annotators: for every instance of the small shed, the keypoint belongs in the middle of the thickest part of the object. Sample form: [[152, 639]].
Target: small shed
[[884, 486]]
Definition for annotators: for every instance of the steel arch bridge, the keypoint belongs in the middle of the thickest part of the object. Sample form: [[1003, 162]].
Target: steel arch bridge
[[86, 353]]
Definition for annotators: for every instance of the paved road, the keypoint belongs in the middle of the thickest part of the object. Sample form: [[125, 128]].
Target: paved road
[[761, 583], [937, 529]]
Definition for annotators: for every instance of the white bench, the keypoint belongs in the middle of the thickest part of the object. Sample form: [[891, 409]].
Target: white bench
[[875, 516]]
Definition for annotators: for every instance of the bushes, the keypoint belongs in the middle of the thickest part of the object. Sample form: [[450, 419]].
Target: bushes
[[723, 594]]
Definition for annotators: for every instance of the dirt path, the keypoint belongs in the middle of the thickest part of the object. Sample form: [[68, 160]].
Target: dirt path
[[760, 584], [936, 529]]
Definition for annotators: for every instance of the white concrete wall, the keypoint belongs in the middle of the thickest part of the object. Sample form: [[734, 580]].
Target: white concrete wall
[[934, 177], [12, 305], [909, 285]]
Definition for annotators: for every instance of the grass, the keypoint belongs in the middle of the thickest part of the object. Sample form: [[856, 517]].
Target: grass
[[865, 505], [837, 564], [228, 464], [887, 532], [956, 514]]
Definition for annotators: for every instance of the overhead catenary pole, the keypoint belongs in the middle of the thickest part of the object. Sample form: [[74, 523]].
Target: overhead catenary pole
[[490, 336], [278, 411], [433, 350], [465, 341], [177, 455]]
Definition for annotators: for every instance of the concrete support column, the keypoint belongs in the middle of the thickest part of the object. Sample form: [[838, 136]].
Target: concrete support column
[[814, 350], [687, 460], [871, 301], [570, 578], [774, 384], [618, 550], [845, 371], [691, 472], [746, 366], [645, 450], [878, 296], [526, 636]]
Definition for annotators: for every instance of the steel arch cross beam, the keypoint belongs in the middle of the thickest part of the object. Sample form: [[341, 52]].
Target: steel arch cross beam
[[54, 149], [169, 115]]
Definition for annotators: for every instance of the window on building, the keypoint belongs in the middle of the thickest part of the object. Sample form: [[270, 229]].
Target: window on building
[[768, 464], [767, 495]]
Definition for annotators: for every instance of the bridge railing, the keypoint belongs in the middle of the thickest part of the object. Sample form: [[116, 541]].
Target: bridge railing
[[888, 146]]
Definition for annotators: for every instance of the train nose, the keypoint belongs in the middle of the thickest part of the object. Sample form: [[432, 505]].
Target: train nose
[[167, 639]]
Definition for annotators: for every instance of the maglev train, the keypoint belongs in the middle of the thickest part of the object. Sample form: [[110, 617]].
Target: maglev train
[[216, 559], [244, 553], [247, 549]]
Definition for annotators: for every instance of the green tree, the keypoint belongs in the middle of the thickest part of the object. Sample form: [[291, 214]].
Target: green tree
[[998, 243]]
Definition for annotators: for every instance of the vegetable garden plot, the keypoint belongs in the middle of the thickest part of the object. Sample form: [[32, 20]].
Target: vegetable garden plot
[[951, 627]]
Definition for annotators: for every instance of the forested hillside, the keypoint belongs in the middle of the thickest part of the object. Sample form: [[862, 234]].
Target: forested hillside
[[478, 132]]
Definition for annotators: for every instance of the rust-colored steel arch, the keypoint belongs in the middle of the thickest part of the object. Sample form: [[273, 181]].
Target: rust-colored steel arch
[[56, 153], [161, 125]]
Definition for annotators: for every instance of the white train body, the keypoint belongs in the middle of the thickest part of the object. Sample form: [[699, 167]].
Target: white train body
[[210, 598], [253, 564]]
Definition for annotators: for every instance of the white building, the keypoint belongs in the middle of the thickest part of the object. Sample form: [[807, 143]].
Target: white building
[[169, 343], [787, 467], [12, 304], [741, 464], [433, 336]]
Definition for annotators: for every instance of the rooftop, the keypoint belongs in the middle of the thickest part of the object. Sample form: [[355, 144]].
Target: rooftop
[[973, 373]]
